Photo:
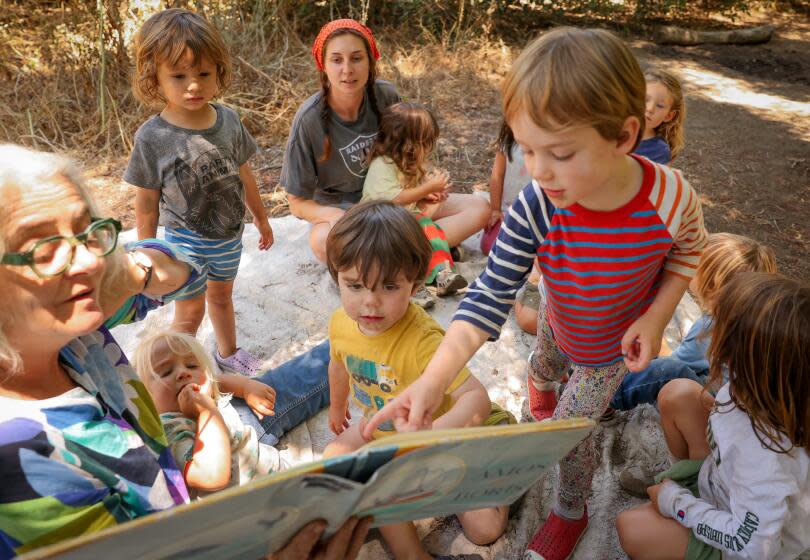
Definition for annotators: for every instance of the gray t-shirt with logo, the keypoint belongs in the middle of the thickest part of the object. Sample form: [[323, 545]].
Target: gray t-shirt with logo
[[196, 172], [338, 181]]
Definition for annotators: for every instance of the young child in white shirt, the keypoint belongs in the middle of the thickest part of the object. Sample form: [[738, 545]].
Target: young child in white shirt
[[741, 486]]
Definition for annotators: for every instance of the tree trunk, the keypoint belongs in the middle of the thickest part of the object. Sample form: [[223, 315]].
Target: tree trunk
[[679, 36]]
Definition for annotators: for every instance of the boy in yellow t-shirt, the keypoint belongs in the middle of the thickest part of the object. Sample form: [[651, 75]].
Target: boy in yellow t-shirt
[[380, 343]]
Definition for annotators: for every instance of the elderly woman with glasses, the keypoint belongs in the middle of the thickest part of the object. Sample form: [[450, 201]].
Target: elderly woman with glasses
[[81, 444]]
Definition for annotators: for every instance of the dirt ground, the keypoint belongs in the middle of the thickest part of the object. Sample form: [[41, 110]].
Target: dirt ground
[[747, 130]]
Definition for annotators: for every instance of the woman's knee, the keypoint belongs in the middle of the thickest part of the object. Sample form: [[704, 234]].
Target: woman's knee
[[317, 240], [479, 209]]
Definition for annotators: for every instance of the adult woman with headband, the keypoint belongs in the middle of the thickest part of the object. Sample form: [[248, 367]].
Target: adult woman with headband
[[325, 159]]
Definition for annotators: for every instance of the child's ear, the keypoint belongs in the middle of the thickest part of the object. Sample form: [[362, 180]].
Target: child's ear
[[670, 116], [628, 134]]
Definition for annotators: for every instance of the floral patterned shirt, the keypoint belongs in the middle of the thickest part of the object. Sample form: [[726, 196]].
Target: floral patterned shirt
[[92, 457]]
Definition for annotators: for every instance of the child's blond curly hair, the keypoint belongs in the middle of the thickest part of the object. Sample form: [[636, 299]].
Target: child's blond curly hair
[[180, 344], [725, 255], [672, 130], [577, 77], [165, 37]]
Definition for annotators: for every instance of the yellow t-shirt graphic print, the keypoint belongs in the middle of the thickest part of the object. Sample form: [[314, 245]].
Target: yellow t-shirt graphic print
[[382, 366]]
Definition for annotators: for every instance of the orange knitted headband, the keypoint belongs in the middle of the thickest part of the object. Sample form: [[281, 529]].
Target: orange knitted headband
[[332, 26]]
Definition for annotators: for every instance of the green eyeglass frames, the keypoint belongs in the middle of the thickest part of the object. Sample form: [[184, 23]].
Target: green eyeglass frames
[[52, 256]]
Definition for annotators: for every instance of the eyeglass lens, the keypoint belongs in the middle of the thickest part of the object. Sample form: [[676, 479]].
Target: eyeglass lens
[[54, 256]]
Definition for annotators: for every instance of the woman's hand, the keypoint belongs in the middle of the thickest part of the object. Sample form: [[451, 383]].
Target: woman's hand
[[192, 401], [259, 397], [345, 544], [311, 211], [339, 417]]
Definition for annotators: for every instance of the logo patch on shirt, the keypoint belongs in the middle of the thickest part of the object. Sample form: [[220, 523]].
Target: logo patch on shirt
[[681, 515], [354, 154]]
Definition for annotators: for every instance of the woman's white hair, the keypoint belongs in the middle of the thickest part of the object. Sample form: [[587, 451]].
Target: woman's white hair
[[25, 169]]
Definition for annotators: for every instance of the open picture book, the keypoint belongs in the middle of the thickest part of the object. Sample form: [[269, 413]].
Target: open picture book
[[398, 478]]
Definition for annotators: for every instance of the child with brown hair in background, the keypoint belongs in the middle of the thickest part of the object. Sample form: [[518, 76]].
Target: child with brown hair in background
[[397, 172]]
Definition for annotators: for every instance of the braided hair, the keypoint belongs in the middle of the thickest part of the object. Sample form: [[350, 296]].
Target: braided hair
[[370, 93]]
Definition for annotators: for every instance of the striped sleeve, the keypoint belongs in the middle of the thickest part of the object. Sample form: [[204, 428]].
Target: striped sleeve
[[678, 206], [492, 295]]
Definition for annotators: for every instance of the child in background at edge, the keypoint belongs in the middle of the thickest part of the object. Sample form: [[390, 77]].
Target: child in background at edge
[[741, 485], [665, 113], [508, 178], [380, 342], [209, 441], [617, 239], [726, 255], [396, 172], [189, 165]]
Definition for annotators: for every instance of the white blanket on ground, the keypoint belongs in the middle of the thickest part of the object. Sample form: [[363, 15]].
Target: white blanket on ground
[[283, 299]]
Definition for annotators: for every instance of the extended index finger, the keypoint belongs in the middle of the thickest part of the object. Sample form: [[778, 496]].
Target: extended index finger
[[386, 413]]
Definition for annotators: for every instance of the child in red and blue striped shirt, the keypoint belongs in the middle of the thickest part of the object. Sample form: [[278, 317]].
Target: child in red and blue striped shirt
[[616, 237]]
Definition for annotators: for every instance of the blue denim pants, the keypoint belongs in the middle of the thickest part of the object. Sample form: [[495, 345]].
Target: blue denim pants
[[302, 389], [644, 386]]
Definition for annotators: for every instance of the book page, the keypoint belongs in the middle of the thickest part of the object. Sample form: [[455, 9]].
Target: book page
[[470, 473]]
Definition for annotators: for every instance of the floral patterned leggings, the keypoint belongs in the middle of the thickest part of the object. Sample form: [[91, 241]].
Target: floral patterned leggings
[[587, 394]]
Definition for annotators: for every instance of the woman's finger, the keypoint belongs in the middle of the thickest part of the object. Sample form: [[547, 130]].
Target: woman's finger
[[300, 546], [338, 545], [358, 538]]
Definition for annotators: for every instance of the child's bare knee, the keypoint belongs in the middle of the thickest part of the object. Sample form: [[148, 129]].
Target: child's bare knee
[[189, 314], [674, 393], [484, 527], [526, 318], [220, 295], [627, 527]]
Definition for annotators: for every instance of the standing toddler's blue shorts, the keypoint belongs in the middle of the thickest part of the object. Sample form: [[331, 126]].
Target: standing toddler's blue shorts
[[219, 258]]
